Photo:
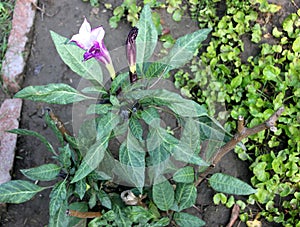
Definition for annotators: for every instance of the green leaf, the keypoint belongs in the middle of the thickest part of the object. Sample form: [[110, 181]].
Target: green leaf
[[92, 158], [120, 81], [107, 123], [80, 188], [183, 153], [184, 175], [187, 220], [92, 199], [52, 93], [60, 219], [179, 105], [97, 90], [87, 135], [184, 48], [156, 69], [147, 36], [288, 24], [185, 195], [72, 55], [139, 214], [212, 132], [161, 222], [50, 122], [121, 218], [191, 135], [153, 209], [151, 117], [177, 15], [271, 72], [18, 191], [104, 199], [45, 172], [65, 155], [136, 128], [74, 221], [163, 195], [25, 132], [73, 142], [57, 197], [237, 81], [106, 217], [98, 109], [219, 198], [160, 146], [230, 185], [256, 33], [296, 45], [132, 158]]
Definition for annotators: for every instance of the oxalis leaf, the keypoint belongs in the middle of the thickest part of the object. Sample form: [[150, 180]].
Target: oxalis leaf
[[45, 172], [187, 220], [72, 55], [296, 45], [18, 191], [52, 93], [230, 185]]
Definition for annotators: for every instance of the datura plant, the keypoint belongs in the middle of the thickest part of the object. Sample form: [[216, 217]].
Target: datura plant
[[138, 153]]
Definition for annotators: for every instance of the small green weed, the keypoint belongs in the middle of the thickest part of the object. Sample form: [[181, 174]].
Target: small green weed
[[6, 10]]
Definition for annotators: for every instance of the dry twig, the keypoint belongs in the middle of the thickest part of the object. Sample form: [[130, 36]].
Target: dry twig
[[242, 133], [234, 215], [79, 214]]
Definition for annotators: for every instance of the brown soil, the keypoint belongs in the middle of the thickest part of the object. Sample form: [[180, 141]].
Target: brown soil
[[44, 66]]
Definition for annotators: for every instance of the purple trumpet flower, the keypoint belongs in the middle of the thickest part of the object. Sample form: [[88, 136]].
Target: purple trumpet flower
[[91, 40]]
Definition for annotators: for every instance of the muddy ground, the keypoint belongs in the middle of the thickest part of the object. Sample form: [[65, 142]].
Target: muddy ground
[[44, 66]]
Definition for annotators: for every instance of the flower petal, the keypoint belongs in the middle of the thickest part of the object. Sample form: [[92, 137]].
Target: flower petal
[[97, 34], [83, 39], [85, 27], [80, 41]]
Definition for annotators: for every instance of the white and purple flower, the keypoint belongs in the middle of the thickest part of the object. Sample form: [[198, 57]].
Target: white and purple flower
[[91, 40]]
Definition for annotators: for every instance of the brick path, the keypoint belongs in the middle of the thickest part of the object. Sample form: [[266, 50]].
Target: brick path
[[12, 75]]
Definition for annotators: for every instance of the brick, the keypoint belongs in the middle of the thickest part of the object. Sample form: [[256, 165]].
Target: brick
[[9, 119], [16, 54]]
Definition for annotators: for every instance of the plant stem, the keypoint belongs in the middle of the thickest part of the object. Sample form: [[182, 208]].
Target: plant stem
[[242, 133]]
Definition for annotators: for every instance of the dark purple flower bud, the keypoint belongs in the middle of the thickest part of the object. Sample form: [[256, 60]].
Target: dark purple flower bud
[[131, 49]]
